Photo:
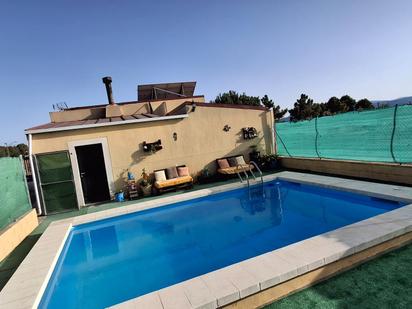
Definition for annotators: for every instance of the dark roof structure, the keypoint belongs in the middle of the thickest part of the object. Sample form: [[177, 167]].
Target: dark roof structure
[[179, 90]]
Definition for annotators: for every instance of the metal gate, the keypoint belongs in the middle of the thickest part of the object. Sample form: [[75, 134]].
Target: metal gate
[[56, 182]]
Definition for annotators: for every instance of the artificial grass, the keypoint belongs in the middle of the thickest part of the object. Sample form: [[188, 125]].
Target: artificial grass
[[385, 282]]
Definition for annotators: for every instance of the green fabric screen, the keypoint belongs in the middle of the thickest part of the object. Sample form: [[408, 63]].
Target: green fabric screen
[[381, 135], [55, 173], [14, 196]]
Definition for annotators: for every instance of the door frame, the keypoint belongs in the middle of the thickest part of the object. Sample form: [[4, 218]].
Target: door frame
[[75, 166]]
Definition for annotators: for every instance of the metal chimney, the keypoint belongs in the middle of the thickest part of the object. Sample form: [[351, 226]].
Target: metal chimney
[[108, 82]]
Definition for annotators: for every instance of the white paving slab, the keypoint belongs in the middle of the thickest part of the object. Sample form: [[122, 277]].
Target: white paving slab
[[261, 269], [174, 297], [148, 301], [199, 294], [244, 281], [223, 290], [27, 284]]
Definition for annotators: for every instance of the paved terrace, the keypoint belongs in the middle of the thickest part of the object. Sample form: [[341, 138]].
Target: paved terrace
[[323, 295]]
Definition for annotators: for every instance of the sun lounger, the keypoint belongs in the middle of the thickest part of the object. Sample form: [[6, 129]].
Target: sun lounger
[[172, 178]]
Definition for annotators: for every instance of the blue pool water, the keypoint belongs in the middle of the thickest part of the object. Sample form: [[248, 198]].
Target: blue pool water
[[106, 262]]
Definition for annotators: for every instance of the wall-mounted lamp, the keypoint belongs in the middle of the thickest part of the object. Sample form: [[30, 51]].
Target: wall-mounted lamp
[[193, 107], [175, 136], [226, 128]]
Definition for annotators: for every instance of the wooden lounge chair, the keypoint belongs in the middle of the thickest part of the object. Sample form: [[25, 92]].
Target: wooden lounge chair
[[233, 165], [172, 178]]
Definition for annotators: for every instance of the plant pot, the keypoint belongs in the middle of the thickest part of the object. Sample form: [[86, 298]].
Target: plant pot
[[254, 156], [147, 190], [272, 164]]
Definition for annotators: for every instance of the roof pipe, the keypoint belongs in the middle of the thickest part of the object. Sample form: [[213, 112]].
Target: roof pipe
[[34, 176], [108, 82]]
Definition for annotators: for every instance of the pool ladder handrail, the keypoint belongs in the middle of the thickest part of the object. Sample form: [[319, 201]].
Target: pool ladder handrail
[[241, 168], [253, 163]]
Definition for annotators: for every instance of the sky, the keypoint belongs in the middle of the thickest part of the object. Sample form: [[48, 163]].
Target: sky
[[58, 51]]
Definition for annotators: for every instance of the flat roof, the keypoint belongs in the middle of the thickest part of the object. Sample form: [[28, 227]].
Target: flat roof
[[236, 106], [126, 103], [101, 122]]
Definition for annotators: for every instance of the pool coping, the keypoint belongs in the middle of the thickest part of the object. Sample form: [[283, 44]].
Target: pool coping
[[234, 282]]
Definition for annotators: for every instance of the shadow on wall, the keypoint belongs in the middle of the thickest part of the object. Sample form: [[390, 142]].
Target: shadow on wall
[[139, 156], [266, 124], [240, 146]]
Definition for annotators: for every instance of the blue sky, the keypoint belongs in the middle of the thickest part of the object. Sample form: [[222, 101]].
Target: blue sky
[[54, 51]]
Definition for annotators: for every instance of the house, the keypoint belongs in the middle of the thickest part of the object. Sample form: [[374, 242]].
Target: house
[[82, 156]]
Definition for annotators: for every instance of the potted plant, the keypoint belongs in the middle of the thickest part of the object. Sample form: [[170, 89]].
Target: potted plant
[[204, 176], [145, 184], [254, 155], [269, 162]]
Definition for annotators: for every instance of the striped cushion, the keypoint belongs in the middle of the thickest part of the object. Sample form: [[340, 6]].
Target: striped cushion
[[240, 160], [160, 175]]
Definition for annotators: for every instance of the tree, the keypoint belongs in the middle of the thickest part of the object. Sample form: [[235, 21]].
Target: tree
[[232, 97], [13, 151], [349, 102], [364, 104], [23, 149], [304, 109], [268, 103], [333, 105], [277, 111]]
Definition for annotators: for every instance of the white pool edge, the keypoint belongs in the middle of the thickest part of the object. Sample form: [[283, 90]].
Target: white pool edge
[[226, 285]]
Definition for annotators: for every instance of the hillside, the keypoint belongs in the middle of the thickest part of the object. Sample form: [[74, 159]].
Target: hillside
[[399, 101]]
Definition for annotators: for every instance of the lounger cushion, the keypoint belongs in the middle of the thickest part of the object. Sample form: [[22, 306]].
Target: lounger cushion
[[183, 171], [232, 161], [171, 172], [223, 163], [240, 160], [173, 182], [234, 169], [160, 175]]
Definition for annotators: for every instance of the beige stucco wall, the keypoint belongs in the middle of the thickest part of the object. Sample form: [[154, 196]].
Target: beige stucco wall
[[16, 232], [200, 140], [386, 172]]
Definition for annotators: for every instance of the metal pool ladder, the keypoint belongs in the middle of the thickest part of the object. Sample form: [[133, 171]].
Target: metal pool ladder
[[240, 169]]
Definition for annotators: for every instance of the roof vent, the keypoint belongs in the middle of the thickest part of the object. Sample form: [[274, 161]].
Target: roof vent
[[108, 82]]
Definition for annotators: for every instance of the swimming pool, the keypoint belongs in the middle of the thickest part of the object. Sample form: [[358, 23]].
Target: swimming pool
[[109, 261]]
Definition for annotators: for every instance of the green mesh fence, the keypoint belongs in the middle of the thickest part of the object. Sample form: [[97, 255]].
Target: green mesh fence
[[382, 135], [14, 197]]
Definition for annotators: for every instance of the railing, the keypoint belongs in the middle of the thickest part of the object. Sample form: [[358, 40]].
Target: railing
[[251, 166], [252, 163]]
